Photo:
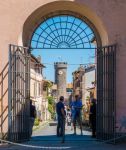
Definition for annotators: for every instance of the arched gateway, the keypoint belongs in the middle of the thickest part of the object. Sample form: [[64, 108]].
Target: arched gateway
[[62, 25]]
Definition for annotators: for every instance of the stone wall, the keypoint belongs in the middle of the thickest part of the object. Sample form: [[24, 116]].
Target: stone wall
[[61, 78]]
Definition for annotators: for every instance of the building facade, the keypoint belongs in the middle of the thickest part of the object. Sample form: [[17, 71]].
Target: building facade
[[36, 85], [78, 82], [88, 79], [20, 19], [47, 92], [83, 80]]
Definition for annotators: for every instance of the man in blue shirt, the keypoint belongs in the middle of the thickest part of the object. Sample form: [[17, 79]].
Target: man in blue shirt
[[76, 112], [61, 118]]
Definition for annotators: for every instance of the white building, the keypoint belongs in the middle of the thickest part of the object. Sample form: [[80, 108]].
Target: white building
[[36, 85]]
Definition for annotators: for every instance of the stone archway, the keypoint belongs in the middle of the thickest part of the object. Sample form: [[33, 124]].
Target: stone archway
[[54, 8], [68, 8], [23, 18], [88, 16]]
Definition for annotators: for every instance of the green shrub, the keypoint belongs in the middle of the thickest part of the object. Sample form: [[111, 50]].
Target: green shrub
[[51, 106], [50, 100], [36, 122]]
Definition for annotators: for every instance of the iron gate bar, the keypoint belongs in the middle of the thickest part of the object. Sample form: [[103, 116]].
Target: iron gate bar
[[9, 93], [106, 93], [19, 93]]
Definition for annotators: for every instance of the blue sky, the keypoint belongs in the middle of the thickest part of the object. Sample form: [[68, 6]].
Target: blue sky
[[63, 38], [70, 56]]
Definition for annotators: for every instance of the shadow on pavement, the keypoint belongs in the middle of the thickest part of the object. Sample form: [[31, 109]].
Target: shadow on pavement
[[68, 137]]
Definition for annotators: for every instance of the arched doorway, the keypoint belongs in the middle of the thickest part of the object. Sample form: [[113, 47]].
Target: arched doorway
[[73, 39]]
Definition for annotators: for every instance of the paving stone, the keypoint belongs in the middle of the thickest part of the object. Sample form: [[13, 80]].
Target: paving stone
[[46, 137]]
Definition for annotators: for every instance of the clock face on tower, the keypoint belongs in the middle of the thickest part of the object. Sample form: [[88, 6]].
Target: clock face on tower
[[60, 72]]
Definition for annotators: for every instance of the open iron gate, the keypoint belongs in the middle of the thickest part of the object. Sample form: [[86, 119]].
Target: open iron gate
[[106, 93], [19, 93]]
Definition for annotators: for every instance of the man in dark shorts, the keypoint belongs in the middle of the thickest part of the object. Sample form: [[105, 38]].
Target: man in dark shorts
[[61, 118], [77, 107]]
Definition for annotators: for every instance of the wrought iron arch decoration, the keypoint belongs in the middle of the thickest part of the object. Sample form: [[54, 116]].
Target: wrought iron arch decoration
[[63, 31]]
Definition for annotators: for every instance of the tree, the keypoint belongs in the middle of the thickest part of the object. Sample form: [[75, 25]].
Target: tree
[[47, 85]]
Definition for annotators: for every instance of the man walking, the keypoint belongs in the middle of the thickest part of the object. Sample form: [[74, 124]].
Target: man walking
[[61, 118]]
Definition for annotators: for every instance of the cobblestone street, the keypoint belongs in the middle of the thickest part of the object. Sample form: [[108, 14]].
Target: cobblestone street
[[45, 138]]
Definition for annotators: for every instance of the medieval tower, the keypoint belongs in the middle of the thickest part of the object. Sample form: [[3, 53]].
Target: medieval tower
[[60, 78]]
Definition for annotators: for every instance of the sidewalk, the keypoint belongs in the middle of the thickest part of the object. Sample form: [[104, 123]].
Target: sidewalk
[[45, 138], [42, 124], [35, 128]]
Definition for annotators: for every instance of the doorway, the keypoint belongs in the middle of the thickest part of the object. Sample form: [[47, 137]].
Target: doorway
[[67, 30]]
